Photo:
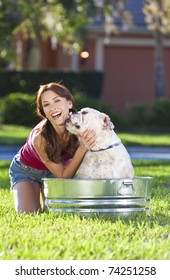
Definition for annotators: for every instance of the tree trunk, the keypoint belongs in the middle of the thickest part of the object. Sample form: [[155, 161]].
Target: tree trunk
[[159, 64]]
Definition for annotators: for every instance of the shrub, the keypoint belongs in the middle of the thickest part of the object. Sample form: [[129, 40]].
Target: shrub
[[82, 100], [1, 108], [160, 114], [138, 116], [18, 108], [89, 82]]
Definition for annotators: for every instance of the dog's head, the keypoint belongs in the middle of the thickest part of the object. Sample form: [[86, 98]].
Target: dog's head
[[88, 118]]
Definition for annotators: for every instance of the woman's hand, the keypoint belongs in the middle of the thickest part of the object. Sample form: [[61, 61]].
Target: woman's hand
[[87, 139]]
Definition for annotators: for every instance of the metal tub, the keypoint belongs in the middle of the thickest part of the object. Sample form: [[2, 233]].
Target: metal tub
[[98, 196]]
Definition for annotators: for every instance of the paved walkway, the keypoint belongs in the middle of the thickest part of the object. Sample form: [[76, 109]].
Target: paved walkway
[[163, 153], [7, 152]]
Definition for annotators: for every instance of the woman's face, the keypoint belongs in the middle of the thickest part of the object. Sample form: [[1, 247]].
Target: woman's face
[[56, 108]]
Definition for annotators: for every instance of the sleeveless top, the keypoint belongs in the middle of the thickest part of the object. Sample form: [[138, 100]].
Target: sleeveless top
[[30, 157]]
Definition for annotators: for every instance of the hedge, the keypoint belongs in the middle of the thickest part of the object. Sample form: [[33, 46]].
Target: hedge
[[19, 108], [89, 83]]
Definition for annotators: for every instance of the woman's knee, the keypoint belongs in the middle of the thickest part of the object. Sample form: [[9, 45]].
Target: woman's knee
[[27, 197]]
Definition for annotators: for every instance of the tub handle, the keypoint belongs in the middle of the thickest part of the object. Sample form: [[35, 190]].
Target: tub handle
[[126, 187]]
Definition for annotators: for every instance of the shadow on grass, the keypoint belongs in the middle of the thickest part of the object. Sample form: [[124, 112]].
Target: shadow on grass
[[12, 140], [4, 164], [136, 220]]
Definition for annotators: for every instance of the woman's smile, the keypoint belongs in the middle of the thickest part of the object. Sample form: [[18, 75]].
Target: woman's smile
[[56, 108]]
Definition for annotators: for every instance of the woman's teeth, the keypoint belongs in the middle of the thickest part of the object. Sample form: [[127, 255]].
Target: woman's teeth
[[56, 115]]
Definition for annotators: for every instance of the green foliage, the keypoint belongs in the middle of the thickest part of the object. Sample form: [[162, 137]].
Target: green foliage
[[157, 15], [138, 115], [82, 100], [66, 21], [9, 19], [155, 116], [160, 115], [89, 82], [51, 236], [41, 20], [19, 108]]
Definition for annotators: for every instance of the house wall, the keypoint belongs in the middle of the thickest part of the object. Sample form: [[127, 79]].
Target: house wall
[[53, 58], [48, 55], [127, 63], [88, 63], [128, 73], [128, 67]]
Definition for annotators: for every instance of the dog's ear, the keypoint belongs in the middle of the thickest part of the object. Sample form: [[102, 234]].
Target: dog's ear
[[107, 124]]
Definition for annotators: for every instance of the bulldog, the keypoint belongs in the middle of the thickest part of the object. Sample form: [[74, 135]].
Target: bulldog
[[109, 158]]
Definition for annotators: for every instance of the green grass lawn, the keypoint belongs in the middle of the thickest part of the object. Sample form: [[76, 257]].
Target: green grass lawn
[[52, 236], [16, 135], [145, 139], [13, 134]]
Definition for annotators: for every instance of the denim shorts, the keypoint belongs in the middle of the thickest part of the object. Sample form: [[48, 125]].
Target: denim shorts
[[19, 172]]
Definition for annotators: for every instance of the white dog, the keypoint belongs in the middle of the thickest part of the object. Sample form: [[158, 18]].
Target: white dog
[[108, 159]]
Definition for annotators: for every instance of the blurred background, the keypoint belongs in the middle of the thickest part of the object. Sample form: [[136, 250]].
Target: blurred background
[[113, 55]]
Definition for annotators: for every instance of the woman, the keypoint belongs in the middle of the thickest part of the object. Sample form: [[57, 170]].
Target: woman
[[50, 150]]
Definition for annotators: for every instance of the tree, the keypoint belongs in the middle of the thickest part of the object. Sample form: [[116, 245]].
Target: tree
[[63, 21], [113, 11], [157, 15], [9, 19]]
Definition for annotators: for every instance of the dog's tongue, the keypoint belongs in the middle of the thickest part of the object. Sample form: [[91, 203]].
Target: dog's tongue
[[67, 120]]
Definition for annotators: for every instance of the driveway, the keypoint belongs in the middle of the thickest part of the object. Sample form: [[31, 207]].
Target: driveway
[[162, 153], [7, 152]]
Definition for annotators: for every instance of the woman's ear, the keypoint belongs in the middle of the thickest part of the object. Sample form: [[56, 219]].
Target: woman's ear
[[70, 104]]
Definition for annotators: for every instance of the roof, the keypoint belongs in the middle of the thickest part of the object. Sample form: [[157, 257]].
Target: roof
[[135, 8]]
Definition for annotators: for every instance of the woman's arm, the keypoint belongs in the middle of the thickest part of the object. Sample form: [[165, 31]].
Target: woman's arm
[[87, 141]]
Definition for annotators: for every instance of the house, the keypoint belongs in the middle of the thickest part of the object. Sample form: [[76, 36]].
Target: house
[[126, 60]]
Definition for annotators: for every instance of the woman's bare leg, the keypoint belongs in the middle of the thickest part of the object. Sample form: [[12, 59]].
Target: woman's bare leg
[[27, 197], [44, 207]]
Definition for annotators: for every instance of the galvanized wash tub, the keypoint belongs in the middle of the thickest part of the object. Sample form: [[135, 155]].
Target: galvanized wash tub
[[98, 196]]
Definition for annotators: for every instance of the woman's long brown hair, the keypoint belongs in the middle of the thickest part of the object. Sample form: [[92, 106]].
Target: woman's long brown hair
[[55, 148]]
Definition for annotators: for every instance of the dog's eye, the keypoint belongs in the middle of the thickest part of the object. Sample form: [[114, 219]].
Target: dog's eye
[[77, 126], [84, 112]]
